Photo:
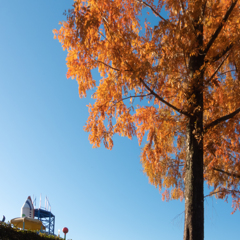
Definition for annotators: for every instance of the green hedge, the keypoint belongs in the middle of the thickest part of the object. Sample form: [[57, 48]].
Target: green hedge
[[7, 232]]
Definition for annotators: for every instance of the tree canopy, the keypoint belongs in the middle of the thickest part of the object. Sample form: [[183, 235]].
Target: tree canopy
[[168, 81]]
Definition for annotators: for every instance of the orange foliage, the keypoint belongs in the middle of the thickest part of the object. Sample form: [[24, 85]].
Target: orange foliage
[[145, 80]]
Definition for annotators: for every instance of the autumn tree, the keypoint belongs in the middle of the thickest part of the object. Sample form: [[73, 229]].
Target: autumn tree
[[173, 82]]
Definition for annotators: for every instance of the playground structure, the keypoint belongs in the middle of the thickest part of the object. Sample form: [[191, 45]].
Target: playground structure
[[47, 219], [28, 223], [40, 219]]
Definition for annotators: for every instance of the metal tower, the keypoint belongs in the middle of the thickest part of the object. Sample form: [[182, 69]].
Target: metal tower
[[47, 218]]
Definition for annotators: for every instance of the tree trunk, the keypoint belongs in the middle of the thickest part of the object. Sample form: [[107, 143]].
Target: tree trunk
[[194, 199], [194, 207]]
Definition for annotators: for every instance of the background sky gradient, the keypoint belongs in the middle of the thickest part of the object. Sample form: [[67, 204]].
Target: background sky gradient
[[98, 194]]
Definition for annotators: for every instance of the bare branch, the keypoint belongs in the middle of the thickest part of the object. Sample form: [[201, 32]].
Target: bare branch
[[221, 119], [116, 69], [147, 5], [227, 173], [217, 57], [219, 66], [212, 193], [115, 103], [221, 191], [138, 96], [162, 100], [218, 30], [226, 72]]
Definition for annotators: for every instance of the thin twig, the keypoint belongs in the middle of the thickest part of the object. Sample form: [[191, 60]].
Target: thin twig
[[114, 103], [116, 69], [219, 66], [138, 96], [226, 72], [212, 193], [227, 191], [146, 4]]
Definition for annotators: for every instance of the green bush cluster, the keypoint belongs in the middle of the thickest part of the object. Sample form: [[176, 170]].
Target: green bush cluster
[[7, 232]]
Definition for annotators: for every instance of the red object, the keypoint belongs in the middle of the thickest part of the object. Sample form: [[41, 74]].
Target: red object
[[65, 230]]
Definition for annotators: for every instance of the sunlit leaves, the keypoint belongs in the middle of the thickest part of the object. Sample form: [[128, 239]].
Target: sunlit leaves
[[133, 56]]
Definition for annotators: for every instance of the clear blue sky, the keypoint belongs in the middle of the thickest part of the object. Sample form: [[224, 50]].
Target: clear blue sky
[[96, 193]]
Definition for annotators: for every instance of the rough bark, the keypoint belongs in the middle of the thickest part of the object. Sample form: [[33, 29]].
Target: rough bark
[[194, 204], [194, 208]]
